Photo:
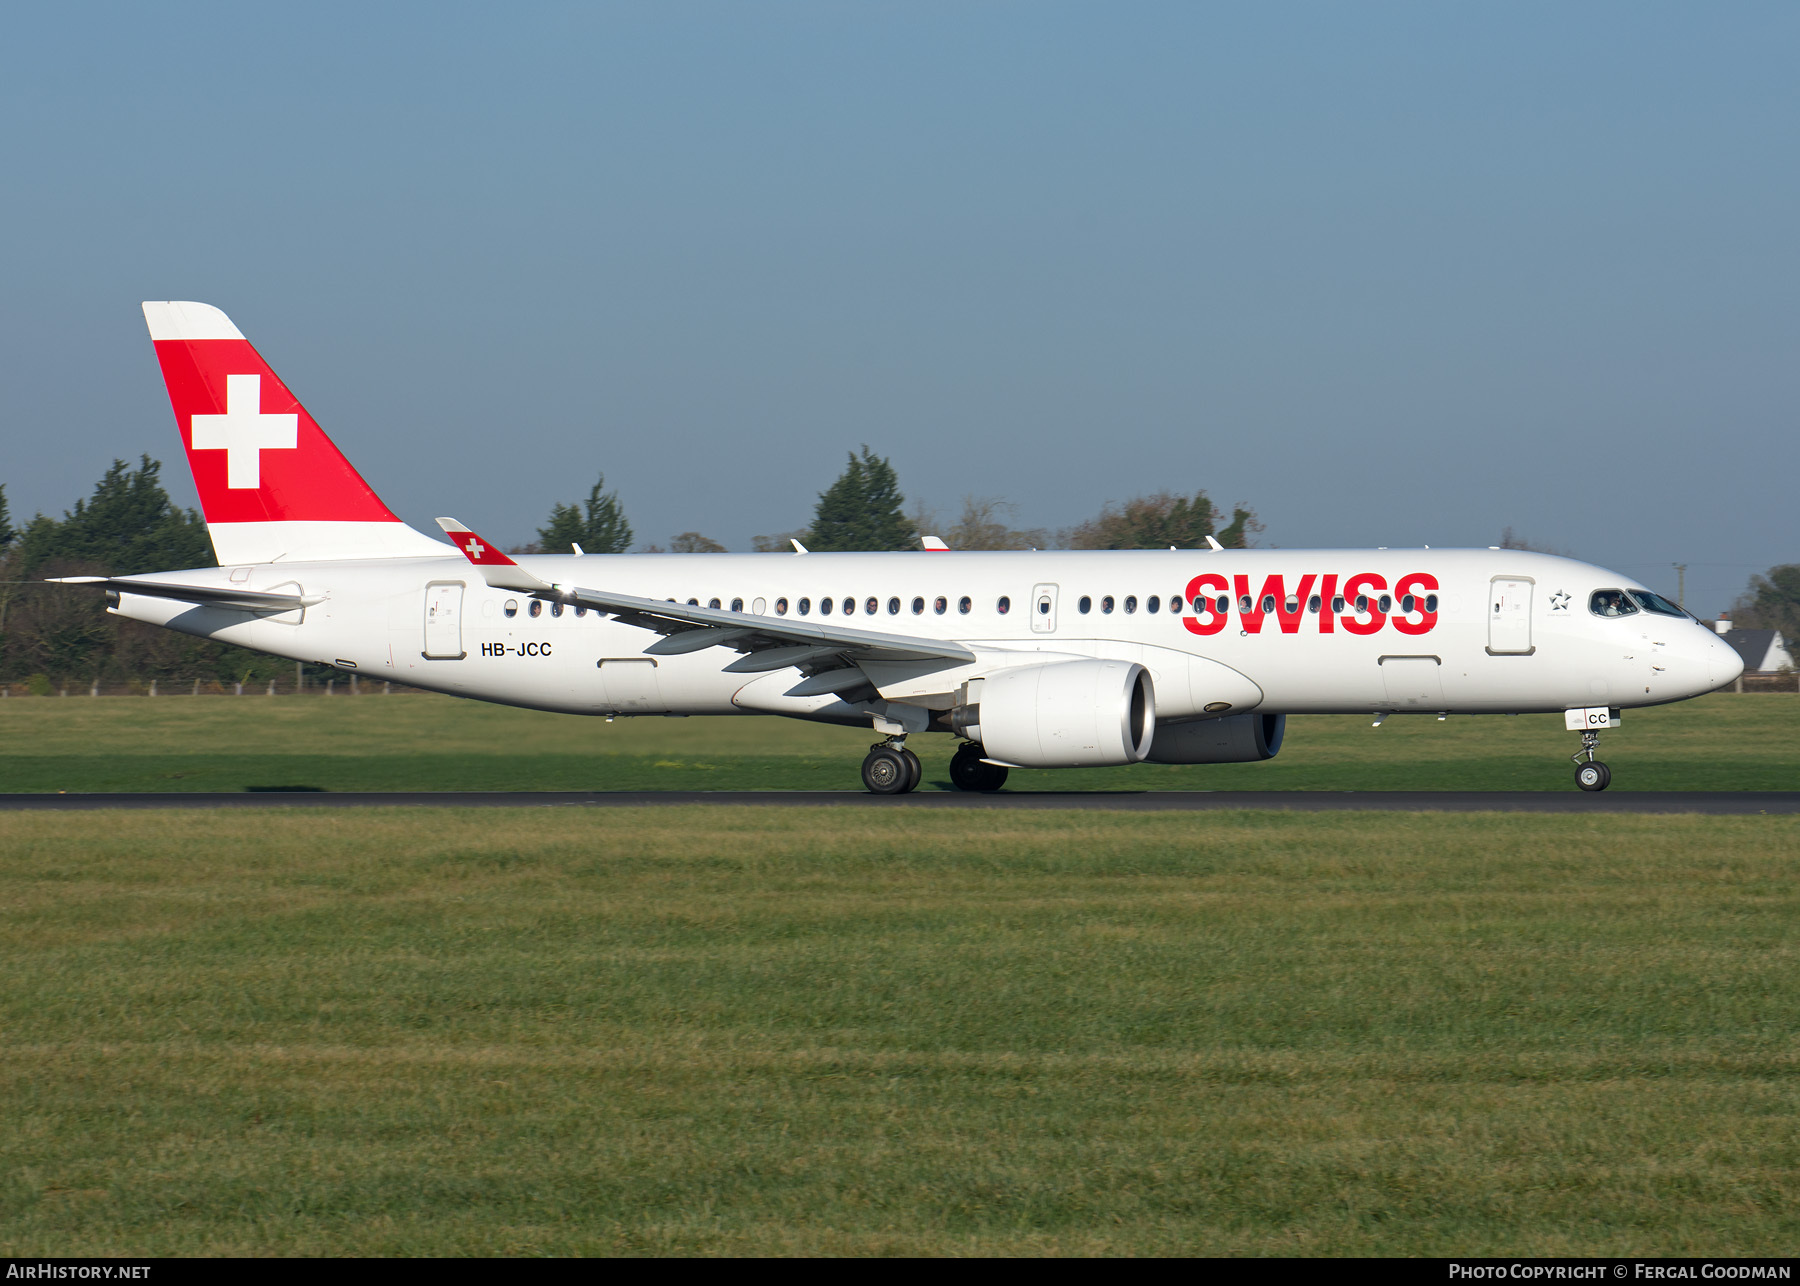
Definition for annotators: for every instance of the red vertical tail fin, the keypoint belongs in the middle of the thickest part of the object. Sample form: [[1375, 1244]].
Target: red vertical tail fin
[[271, 484]]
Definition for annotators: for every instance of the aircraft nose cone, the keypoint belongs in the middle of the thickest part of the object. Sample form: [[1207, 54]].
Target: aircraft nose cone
[[1723, 664]]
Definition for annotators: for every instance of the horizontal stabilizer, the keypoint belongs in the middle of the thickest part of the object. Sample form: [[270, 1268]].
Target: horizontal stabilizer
[[249, 600]]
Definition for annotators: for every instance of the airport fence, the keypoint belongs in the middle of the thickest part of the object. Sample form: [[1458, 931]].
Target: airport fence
[[345, 685]]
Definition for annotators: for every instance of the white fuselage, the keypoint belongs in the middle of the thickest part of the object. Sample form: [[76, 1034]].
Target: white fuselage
[[1511, 631]]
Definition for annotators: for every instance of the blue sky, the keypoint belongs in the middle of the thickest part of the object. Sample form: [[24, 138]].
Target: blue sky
[[1391, 274]]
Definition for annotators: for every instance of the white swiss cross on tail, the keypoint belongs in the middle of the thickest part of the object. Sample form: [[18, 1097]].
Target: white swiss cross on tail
[[244, 432]]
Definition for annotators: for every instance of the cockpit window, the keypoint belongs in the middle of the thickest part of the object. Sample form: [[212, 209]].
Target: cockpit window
[[1611, 602], [1656, 603]]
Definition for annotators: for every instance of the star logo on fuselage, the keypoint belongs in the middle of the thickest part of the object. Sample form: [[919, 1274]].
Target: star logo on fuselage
[[1559, 601]]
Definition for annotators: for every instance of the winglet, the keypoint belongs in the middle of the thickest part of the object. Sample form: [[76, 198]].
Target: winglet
[[1213, 544], [934, 544], [798, 547], [496, 568]]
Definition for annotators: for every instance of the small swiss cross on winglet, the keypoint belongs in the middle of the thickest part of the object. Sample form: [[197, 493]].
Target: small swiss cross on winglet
[[496, 568], [474, 548]]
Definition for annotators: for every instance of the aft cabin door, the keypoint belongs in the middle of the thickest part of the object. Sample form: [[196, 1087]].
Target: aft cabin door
[[443, 621], [1509, 617], [1043, 609]]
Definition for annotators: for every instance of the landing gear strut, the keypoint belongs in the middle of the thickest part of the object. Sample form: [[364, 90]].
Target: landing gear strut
[[891, 769], [969, 772], [1590, 773]]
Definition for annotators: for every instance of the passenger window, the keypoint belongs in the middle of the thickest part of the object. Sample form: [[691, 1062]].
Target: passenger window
[[1244, 603], [1224, 604], [1044, 605], [737, 604], [1085, 606], [713, 603], [893, 607], [824, 607], [1004, 605], [918, 607], [805, 606], [1431, 602], [1153, 604], [1386, 604], [1268, 603], [1313, 604], [872, 606], [580, 611], [537, 607], [849, 607], [1362, 602], [1611, 602], [1337, 603], [1175, 604], [693, 602], [963, 605], [1130, 603], [510, 607], [1106, 605], [940, 604], [1406, 602], [781, 607], [556, 609]]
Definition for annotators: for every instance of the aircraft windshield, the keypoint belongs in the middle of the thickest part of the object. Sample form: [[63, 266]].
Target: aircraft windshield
[[1656, 603], [1611, 602]]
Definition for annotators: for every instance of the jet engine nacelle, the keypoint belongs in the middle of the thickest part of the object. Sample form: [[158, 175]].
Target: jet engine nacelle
[[1066, 714], [1236, 739]]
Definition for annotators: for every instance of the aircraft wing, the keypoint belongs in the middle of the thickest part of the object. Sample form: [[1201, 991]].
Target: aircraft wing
[[251, 600], [772, 643]]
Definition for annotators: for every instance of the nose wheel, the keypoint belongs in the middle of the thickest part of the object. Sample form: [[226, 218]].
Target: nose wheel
[[891, 769], [1593, 776], [1590, 773]]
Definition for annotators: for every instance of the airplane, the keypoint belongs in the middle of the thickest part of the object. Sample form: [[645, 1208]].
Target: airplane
[[1041, 659]]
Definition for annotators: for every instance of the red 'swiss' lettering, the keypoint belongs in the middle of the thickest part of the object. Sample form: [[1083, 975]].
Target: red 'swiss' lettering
[[1417, 585], [1200, 600], [1412, 606], [1365, 585], [1273, 597]]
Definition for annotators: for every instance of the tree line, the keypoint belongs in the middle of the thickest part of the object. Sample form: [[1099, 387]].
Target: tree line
[[865, 510]]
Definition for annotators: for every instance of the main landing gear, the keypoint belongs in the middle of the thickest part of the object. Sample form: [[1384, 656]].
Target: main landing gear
[[968, 771], [892, 769], [1590, 773]]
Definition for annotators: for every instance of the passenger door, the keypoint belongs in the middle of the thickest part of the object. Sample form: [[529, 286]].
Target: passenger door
[[1509, 616], [1043, 609], [443, 621]]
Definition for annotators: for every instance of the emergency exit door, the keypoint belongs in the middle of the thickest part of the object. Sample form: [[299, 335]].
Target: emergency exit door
[[443, 621], [1509, 617], [1043, 609]]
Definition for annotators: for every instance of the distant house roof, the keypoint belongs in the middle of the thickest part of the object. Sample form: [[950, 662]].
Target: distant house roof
[[1762, 650]]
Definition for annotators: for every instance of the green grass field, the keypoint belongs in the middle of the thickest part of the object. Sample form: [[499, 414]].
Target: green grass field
[[717, 1030], [1720, 742]]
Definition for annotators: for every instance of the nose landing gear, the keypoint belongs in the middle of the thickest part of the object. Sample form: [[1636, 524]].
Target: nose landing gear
[[891, 769], [1590, 774]]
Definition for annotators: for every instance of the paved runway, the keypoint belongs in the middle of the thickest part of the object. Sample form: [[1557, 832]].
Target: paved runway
[[1312, 801]]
